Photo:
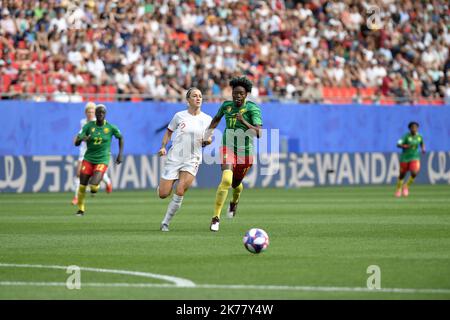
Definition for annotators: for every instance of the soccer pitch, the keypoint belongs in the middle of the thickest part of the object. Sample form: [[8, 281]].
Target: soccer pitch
[[322, 240]]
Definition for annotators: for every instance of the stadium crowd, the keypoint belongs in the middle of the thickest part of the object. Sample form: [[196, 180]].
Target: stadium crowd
[[291, 50]]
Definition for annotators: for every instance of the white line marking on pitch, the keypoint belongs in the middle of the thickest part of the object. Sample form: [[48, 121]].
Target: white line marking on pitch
[[235, 287], [175, 280], [184, 283]]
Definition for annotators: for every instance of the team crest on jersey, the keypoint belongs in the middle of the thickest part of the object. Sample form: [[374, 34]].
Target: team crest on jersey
[[93, 129], [228, 109], [106, 130], [242, 111]]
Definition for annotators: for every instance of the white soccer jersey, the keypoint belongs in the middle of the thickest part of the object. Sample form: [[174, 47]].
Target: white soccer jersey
[[188, 131], [83, 146]]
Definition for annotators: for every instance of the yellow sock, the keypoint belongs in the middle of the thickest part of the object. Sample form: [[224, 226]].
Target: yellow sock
[[222, 191], [410, 181], [399, 184], [237, 193], [81, 196], [94, 188]]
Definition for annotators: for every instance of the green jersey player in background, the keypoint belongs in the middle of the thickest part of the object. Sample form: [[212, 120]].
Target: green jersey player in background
[[97, 135], [243, 122], [409, 158]]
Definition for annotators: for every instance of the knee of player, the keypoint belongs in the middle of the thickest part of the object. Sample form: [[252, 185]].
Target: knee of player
[[94, 188], [181, 190], [162, 194], [226, 181]]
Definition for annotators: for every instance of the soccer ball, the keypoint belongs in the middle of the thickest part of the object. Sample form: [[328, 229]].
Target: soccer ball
[[256, 240]]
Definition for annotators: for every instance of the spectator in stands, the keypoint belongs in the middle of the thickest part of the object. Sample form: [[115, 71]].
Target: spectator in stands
[[188, 43]]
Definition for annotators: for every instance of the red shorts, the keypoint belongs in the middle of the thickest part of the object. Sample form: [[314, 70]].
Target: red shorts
[[241, 164], [88, 168], [413, 165]]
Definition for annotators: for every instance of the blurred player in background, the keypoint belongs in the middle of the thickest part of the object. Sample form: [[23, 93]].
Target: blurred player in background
[[89, 111], [185, 155], [97, 135], [409, 158], [243, 122]]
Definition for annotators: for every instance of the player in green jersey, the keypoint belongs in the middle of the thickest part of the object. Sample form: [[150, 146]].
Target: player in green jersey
[[243, 122], [409, 158], [97, 135]]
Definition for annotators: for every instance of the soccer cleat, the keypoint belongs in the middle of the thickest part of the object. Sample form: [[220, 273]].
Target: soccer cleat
[[164, 227], [79, 213], [405, 191], [74, 201], [109, 188], [214, 224], [398, 193], [231, 213]]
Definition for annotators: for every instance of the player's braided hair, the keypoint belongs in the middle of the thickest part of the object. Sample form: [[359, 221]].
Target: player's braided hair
[[413, 123], [188, 93], [241, 82]]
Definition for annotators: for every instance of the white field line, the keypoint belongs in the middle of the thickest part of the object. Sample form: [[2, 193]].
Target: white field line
[[175, 280], [232, 287], [184, 283]]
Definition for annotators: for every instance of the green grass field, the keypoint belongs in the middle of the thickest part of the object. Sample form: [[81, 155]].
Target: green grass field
[[322, 241]]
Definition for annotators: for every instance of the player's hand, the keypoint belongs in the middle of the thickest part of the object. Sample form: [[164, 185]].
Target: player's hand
[[119, 159], [423, 151], [206, 142], [162, 152], [239, 116]]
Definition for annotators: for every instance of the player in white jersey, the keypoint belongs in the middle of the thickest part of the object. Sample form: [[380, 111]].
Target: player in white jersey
[[185, 155], [89, 111]]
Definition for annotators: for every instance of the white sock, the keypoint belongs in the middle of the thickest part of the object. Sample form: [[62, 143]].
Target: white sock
[[106, 178], [76, 185], [172, 208]]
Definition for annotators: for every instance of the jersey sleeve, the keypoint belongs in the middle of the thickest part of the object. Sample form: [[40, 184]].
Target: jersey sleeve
[[256, 117], [402, 140], [173, 124], [84, 132], [116, 132], [220, 113]]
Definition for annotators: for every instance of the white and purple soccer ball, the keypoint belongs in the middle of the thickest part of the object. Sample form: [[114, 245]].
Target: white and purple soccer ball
[[256, 240]]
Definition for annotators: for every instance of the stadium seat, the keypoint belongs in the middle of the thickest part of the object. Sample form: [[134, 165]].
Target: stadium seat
[[6, 81]]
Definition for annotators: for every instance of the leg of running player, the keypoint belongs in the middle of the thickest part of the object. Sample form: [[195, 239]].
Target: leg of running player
[[403, 171], [221, 194], [107, 180], [239, 172], [414, 167], [84, 180], [76, 184], [184, 182], [95, 181]]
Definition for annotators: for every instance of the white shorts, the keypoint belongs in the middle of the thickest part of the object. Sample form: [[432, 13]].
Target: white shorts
[[172, 169]]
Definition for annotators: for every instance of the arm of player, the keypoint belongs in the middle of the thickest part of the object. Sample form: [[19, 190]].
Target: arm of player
[[78, 140], [422, 147], [256, 130], [401, 144], [207, 139], [119, 158], [162, 151]]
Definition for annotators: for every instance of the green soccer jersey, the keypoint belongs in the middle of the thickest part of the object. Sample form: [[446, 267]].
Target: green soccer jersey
[[235, 136], [413, 152], [99, 144]]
